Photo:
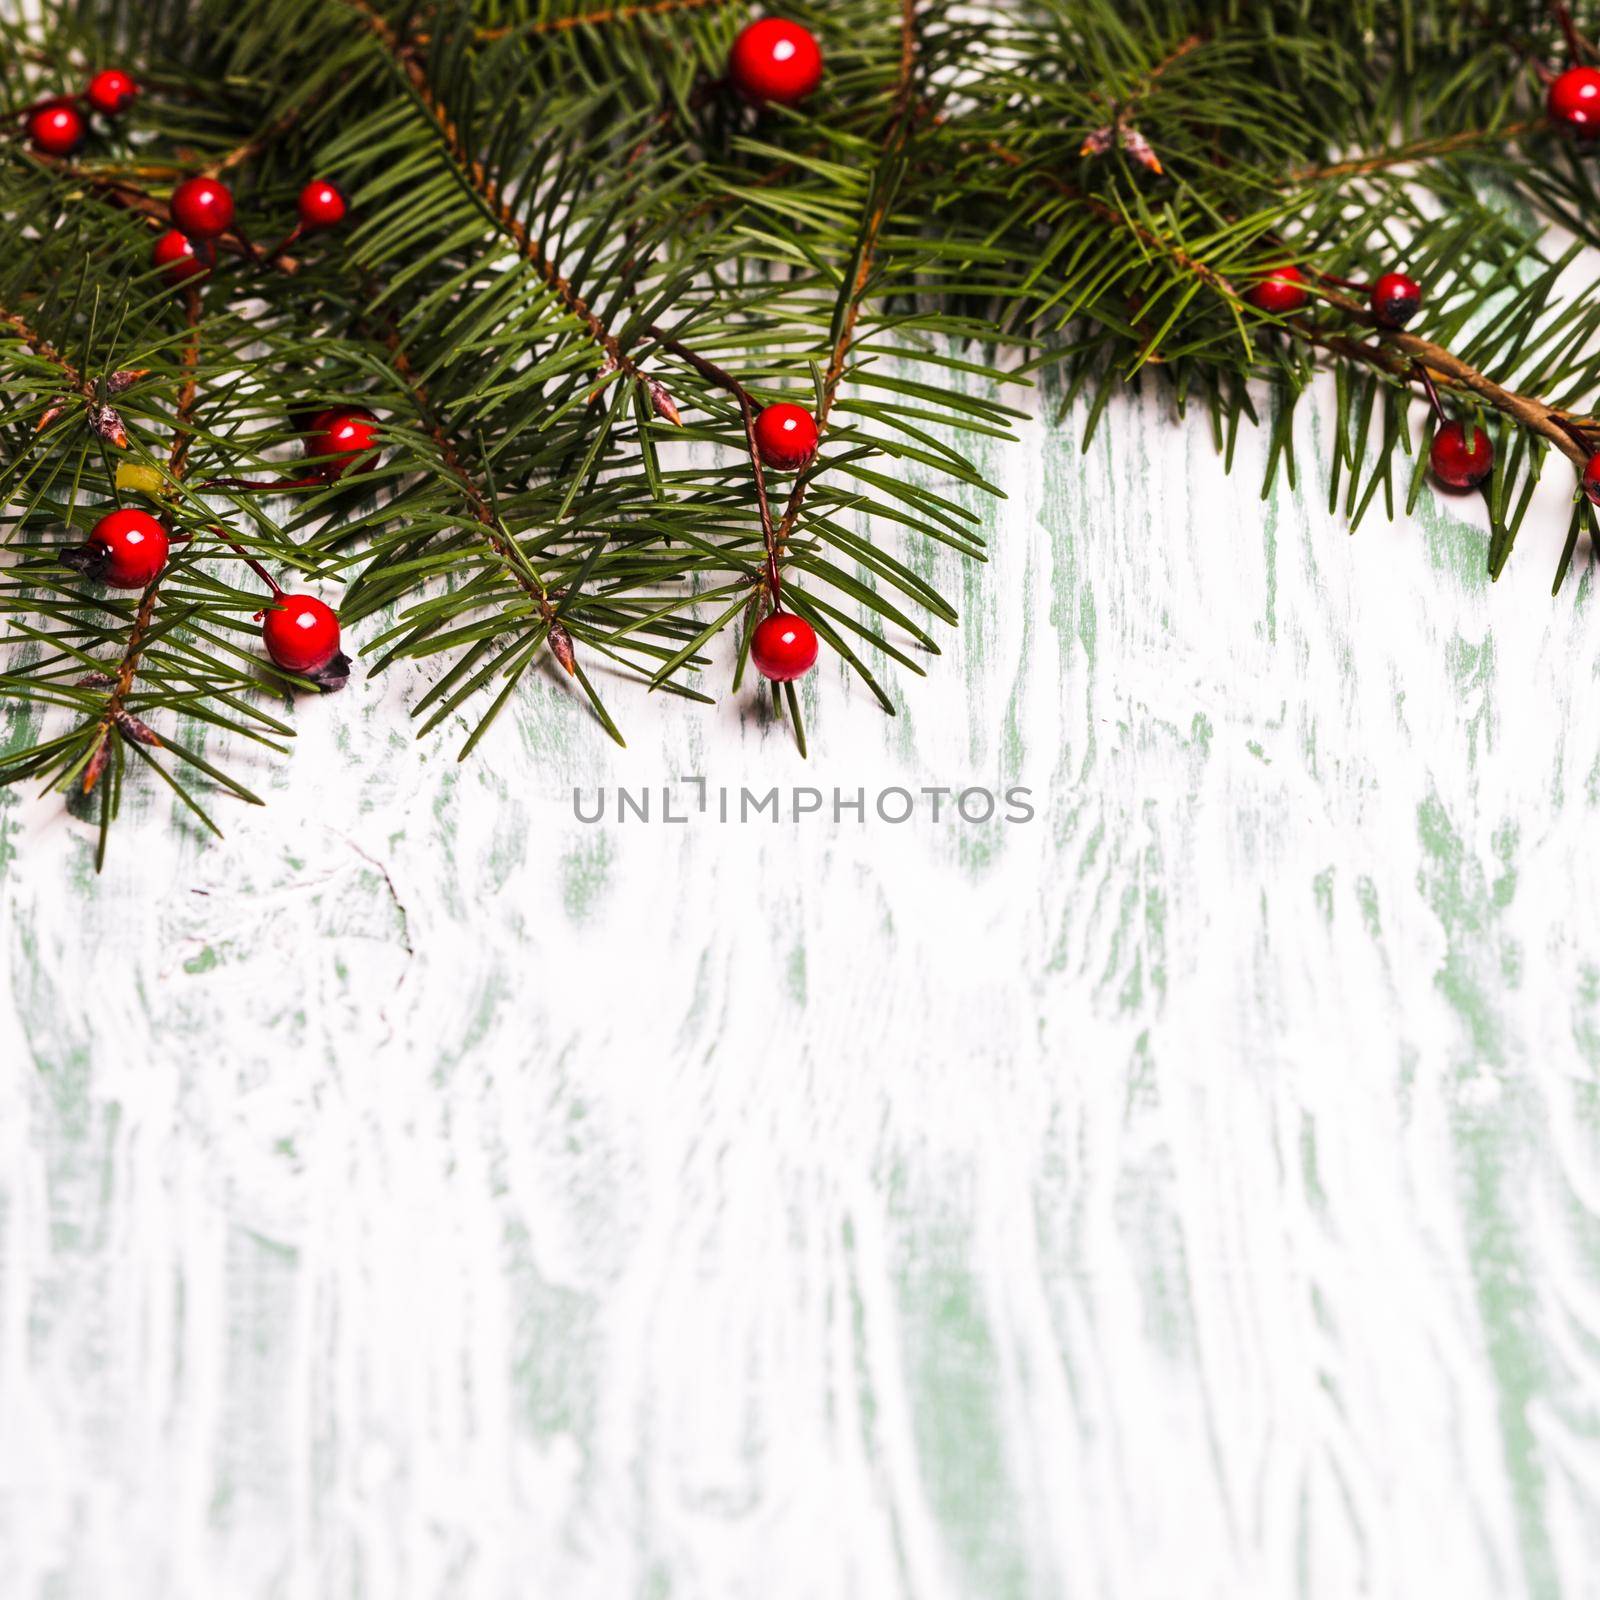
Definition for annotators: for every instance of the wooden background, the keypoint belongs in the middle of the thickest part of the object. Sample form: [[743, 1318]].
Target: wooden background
[[1192, 1192]]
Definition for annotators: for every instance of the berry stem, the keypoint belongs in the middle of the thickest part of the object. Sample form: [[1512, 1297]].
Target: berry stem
[[747, 409], [847, 310], [1431, 390], [248, 559]]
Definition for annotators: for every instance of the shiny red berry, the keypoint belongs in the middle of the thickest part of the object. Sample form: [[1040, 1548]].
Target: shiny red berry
[[56, 130], [176, 252], [1281, 291], [111, 92], [1574, 100], [202, 207], [344, 433], [1457, 465], [783, 647], [775, 60], [301, 633], [321, 205], [786, 436], [135, 547], [1591, 478], [1396, 299]]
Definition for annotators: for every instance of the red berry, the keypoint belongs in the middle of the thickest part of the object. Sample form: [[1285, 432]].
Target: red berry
[[202, 207], [1574, 100], [1455, 465], [1396, 299], [775, 60], [343, 432], [301, 633], [786, 436], [56, 130], [783, 647], [176, 252], [111, 92], [135, 547], [1281, 291], [1591, 478], [321, 205]]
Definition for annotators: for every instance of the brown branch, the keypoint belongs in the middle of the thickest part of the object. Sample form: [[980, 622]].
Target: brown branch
[[1431, 359], [115, 716], [901, 117], [584, 19], [117, 190], [1579, 47], [488, 193], [1419, 150]]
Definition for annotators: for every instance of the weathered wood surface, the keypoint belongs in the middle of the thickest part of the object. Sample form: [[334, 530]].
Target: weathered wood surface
[[1190, 1192]]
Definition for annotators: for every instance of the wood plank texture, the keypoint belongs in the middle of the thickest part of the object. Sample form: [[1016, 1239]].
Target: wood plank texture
[[1190, 1192]]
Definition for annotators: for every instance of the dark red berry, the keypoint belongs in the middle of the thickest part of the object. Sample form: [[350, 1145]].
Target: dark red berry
[[111, 92], [321, 205], [1455, 463], [1396, 299], [1574, 100], [775, 60], [786, 436], [202, 208], [301, 633], [176, 252], [1591, 478], [134, 545], [343, 433], [1281, 291], [56, 130], [783, 647]]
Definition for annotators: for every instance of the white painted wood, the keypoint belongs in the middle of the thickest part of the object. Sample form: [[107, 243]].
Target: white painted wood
[[1190, 1192]]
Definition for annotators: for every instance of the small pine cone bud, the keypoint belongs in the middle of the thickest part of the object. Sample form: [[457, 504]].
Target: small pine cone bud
[[105, 421], [118, 381], [97, 765], [1098, 142], [52, 414], [561, 647], [664, 405], [1139, 148], [94, 680], [130, 727]]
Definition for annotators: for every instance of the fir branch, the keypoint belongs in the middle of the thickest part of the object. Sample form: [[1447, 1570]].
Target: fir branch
[[516, 565], [488, 194], [600, 18], [1432, 149], [115, 717]]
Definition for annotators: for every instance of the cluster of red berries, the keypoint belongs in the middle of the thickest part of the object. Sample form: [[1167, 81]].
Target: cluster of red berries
[[774, 61], [202, 210], [1460, 459], [1395, 299], [128, 549], [778, 62], [59, 126], [784, 646]]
